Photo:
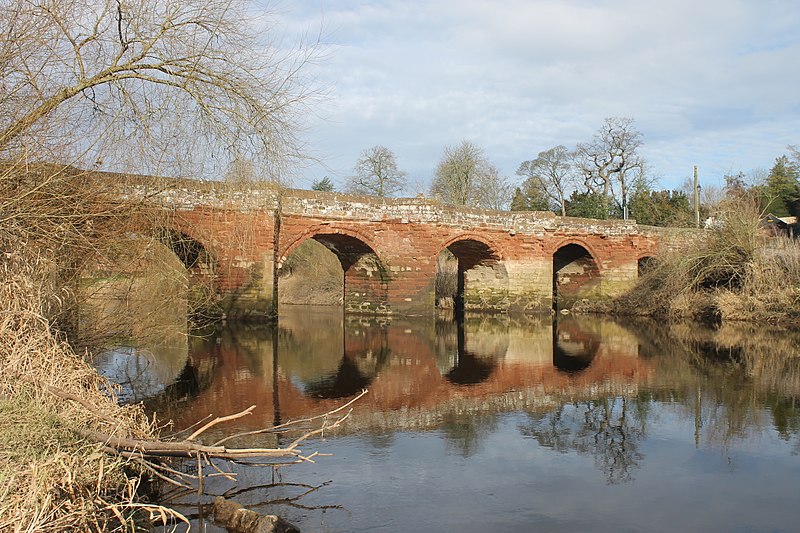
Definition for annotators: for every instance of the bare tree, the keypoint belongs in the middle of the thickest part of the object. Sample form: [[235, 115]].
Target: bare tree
[[150, 82], [465, 177], [551, 175], [794, 153], [377, 174], [240, 170], [494, 192], [610, 162]]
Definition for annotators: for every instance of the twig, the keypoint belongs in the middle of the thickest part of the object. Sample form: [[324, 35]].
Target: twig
[[186, 430], [219, 420], [144, 451], [230, 476], [305, 436], [291, 422], [324, 415], [309, 488], [200, 482]]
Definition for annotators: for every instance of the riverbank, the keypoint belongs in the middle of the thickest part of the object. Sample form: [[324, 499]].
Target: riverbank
[[52, 477], [736, 271]]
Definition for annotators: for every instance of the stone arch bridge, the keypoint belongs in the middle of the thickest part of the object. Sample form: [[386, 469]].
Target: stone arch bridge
[[237, 237]]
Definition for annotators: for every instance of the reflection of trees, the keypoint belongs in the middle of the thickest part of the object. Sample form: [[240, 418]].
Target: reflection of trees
[[608, 429], [465, 433], [734, 379]]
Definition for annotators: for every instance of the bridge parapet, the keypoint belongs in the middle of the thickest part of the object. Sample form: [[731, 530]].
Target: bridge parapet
[[186, 194]]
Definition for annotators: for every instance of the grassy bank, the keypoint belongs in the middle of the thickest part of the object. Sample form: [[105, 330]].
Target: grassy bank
[[736, 270], [52, 478]]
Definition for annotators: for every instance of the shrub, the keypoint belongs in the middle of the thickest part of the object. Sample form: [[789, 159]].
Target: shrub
[[733, 271]]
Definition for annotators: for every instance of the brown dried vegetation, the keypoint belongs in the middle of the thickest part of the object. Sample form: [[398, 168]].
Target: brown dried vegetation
[[55, 219], [735, 270]]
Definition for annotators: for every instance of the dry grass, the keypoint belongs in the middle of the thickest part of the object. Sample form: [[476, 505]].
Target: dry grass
[[736, 271], [54, 219], [311, 275], [51, 478], [446, 280]]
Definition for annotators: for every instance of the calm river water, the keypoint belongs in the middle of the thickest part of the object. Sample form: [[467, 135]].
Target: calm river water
[[496, 424]]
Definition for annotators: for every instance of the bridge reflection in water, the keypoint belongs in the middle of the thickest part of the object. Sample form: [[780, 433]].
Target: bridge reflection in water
[[417, 372], [497, 424]]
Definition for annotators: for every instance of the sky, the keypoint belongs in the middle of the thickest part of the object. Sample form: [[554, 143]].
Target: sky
[[712, 83]]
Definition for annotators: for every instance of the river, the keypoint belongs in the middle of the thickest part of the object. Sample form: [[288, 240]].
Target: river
[[494, 423]]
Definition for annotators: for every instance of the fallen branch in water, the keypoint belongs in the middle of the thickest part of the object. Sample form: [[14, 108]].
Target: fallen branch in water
[[234, 517], [148, 453]]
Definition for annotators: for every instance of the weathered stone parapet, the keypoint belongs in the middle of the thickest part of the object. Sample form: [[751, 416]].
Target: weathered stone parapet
[[185, 194]]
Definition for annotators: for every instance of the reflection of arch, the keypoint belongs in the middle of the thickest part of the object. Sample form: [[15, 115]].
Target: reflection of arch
[[468, 368], [482, 279], [366, 278], [195, 377], [575, 272], [346, 381], [363, 357], [573, 348]]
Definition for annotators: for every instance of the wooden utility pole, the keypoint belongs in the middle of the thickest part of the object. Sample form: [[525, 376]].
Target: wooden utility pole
[[696, 199]]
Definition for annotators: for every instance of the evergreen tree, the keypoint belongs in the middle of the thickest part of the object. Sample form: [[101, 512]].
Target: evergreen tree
[[782, 188], [325, 184], [592, 205], [529, 198], [661, 208]]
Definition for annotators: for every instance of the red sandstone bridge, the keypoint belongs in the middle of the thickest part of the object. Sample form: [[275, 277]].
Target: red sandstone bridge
[[388, 248]]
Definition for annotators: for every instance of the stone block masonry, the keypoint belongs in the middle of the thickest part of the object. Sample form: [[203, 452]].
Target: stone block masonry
[[388, 248]]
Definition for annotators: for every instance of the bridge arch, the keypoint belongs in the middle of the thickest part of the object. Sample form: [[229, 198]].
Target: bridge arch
[[644, 263], [317, 230], [574, 349], [137, 286], [471, 271], [190, 251], [365, 278], [576, 273]]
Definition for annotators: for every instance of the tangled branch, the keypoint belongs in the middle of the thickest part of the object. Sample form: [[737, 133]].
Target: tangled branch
[[150, 454]]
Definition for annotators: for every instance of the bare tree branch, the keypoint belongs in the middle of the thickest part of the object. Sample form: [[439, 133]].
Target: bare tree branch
[[143, 71]]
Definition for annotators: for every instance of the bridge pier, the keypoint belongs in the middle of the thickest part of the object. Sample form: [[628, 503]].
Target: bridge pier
[[618, 278], [244, 289], [530, 285], [366, 284], [411, 289]]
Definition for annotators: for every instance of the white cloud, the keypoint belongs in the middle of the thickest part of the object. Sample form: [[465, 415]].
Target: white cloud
[[712, 83]]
